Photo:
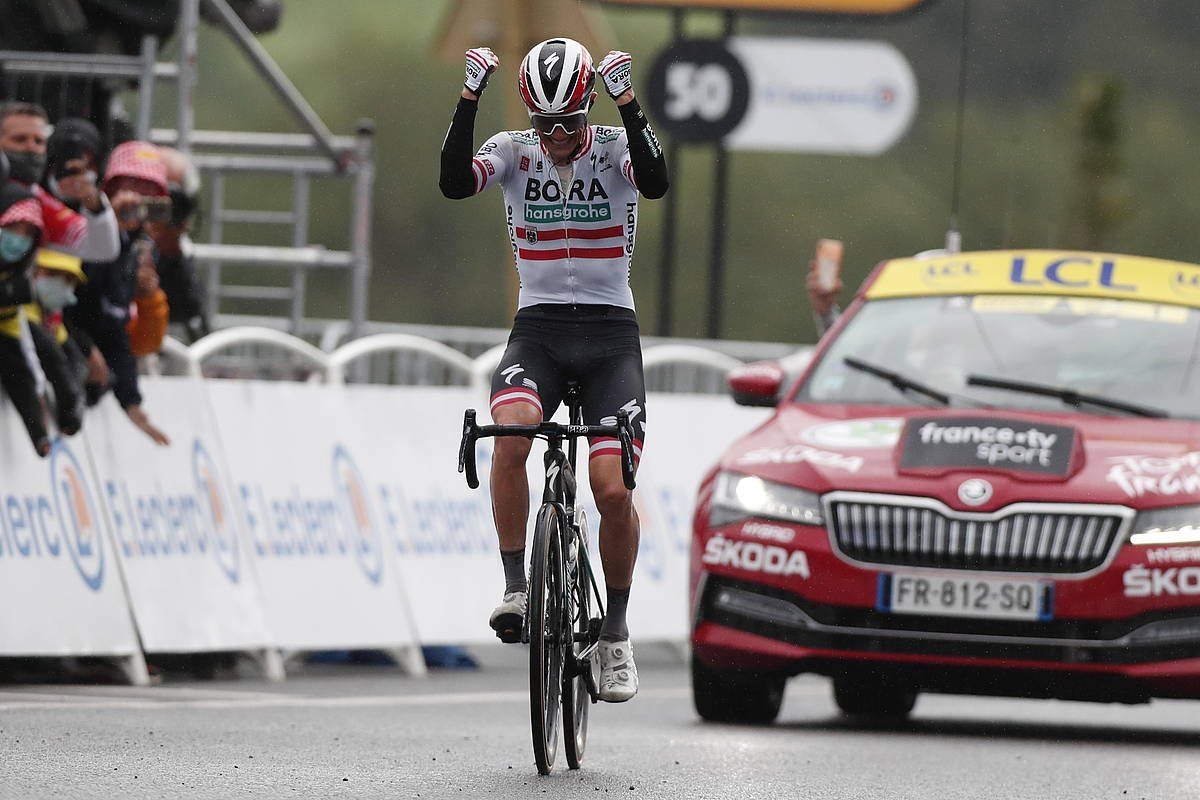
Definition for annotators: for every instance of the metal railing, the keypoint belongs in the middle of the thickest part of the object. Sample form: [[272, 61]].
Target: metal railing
[[257, 352]]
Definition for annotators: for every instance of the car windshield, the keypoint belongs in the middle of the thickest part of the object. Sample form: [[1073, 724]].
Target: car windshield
[[1116, 350]]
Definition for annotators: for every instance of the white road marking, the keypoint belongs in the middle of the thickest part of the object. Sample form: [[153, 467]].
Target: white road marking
[[267, 700]]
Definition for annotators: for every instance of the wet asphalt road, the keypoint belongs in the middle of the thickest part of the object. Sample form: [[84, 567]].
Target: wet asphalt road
[[371, 733]]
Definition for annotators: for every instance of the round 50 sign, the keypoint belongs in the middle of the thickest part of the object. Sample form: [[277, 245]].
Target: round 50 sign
[[698, 90]]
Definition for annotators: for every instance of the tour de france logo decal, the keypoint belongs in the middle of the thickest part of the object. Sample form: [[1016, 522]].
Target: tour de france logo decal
[[219, 511], [356, 511], [78, 515]]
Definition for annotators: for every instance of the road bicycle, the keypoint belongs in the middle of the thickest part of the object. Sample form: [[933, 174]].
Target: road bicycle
[[565, 612]]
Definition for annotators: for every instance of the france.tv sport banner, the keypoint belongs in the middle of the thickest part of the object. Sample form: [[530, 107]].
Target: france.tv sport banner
[[174, 524], [60, 586], [295, 454], [441, 532]]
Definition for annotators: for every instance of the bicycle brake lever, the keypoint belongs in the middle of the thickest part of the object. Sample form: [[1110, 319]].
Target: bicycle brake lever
[[466, 450], [625, 436]]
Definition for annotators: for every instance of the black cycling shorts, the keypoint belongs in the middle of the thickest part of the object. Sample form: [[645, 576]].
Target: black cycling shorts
[[597, 345]]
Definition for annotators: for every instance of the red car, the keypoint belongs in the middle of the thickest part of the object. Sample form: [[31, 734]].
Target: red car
[[987, 481]]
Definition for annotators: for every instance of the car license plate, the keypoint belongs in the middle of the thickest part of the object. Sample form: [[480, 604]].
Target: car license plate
[[971, 596]]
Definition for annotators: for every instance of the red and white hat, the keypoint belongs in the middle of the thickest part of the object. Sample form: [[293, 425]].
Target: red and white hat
[[28, 210], [138, 160]]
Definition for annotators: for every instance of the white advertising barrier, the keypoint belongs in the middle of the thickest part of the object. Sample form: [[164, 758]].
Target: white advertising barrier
[[60, 585], [169, 509], [441, 532], [823, 96], [314, 537]]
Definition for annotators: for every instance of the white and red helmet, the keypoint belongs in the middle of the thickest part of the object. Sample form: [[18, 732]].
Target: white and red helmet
[[557, 77]]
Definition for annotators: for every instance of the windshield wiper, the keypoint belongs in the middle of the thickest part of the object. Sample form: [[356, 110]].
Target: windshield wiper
[[897, 380], [1068, 396]]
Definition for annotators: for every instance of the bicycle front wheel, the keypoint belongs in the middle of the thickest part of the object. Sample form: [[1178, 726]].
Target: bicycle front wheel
[[546, 640], [575, 698]]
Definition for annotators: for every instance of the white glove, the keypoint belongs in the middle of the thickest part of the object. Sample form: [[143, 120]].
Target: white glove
[[481, 63], [617, 71]]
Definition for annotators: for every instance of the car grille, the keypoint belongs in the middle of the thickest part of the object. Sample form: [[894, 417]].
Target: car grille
[[1038, 539]]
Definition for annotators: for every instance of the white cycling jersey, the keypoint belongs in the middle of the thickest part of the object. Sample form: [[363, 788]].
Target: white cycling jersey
[[571, 244]]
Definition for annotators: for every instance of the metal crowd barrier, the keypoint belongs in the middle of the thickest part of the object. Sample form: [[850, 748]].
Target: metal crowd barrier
[[255, 352]]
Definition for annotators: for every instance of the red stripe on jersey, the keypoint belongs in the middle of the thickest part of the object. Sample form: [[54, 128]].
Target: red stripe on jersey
[[597, 252], [596, 233], [573, 252], [629, 174], [554, 234], [481, 173], [542, 255]]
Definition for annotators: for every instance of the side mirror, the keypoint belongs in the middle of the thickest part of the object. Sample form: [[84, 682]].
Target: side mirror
[[756, 384]]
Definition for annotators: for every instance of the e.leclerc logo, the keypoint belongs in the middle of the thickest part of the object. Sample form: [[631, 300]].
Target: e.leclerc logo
[[356, 510], [215, 502], [77, 514]]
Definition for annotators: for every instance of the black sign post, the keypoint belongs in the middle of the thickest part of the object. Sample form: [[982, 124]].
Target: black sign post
[[698, 92], [666, 272]]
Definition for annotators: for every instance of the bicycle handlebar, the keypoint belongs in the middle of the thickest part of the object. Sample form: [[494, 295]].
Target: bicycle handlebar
[[472, 432]]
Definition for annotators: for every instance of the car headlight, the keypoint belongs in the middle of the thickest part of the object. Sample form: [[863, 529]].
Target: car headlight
[[1175, 525], [737, 497]]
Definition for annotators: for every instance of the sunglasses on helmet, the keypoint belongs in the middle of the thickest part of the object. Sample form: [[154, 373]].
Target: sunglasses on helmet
[[570, 123]]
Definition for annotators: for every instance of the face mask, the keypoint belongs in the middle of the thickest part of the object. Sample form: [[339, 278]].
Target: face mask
[[26, 167], [14, 246], [53, 293]]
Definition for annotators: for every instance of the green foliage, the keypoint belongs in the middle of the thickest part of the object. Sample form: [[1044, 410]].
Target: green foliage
[[1100, 206], [445, 262]]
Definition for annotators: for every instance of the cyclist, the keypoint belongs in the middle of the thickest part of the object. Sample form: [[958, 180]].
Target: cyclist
[[571, 199]]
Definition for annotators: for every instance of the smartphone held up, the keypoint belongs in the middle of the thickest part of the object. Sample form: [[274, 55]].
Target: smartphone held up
[[829, 264]]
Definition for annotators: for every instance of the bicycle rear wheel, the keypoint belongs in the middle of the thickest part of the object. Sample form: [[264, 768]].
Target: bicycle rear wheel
[[547, 643], [575, 698]]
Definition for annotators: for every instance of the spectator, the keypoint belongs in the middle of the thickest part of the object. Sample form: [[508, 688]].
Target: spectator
[[57, 278], [74, 147], [20, 230], [176, 263], [822, 299], [135, 181], [92, 234]]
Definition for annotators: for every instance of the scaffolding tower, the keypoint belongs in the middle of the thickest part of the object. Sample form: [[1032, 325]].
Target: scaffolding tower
[[221, 155]]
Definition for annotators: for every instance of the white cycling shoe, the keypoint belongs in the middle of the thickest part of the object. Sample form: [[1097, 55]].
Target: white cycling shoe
[[509, 617], [618, 673]]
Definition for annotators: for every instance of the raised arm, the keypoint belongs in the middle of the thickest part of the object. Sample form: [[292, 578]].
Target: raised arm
[[457, 179], [647, 161]]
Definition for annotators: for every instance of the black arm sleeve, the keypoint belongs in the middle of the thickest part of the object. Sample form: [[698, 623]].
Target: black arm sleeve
[[649, 163], [457, 180]]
